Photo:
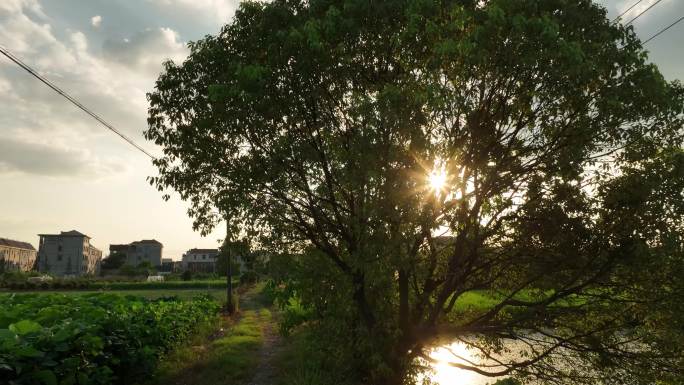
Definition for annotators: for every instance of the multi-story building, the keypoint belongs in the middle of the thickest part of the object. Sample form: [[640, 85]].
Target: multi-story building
[[147, 250], [16, 256], [68, 253], [200, 260], [204, 260]]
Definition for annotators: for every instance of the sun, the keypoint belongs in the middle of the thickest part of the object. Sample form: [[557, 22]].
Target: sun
[[437, 180]]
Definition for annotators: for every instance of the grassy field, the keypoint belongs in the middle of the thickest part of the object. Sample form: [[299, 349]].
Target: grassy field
[[194, 284]]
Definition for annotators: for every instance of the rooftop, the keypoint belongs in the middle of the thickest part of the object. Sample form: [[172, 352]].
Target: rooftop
[[72, 233], [202, 251], [17, 244], [149, 241]]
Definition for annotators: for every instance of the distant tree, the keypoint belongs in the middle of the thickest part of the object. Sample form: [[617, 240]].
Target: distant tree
[[128, 270], [186, 275], [532, 134], [114, 261], [238, 249]]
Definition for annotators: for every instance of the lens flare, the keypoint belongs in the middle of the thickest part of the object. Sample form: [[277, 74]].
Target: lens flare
[[437, 180]]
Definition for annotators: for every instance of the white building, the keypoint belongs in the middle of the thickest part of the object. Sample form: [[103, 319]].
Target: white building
[[68, 253], [204, 260], [16, 256], [200, 260]]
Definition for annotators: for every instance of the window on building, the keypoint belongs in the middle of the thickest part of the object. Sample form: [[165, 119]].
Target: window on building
[[59, 248], [59, 257]]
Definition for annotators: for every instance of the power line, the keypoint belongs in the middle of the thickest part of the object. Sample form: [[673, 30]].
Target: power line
[[75, 102], [663, 30], [627, 10], [642, 12]]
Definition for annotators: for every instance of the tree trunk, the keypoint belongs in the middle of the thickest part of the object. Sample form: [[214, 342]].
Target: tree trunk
[[403, 303]]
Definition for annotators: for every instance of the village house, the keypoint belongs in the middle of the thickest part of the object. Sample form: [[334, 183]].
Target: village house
[[16, 255], [68, 253], [147, 250], [204, 260], [200, 260]]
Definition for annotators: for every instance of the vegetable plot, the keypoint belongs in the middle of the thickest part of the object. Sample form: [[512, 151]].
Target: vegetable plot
[[91, 339]]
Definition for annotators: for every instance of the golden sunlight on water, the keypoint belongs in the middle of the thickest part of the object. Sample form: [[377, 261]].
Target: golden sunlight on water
[[445, 374]]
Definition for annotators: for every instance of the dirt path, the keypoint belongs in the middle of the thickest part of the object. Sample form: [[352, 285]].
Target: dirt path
[[266, 373], [238, 350]]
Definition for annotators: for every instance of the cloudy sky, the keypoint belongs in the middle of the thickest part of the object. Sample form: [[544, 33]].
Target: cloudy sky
[[60, 170]]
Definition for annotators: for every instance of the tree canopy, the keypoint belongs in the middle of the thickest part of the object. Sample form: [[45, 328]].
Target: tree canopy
[[315, 126], [114, 261]]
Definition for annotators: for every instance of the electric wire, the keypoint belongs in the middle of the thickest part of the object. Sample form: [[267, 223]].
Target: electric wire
[[627, 10], [663, 30], [75, 102], [642, 12]]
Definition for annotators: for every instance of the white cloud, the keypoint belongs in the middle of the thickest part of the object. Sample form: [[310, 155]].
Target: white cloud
[[113, 84], [5, 86], [80, 42], [62, 168], [219, 10], [49, 159], [96, 21], [146, 50], [14, 6]]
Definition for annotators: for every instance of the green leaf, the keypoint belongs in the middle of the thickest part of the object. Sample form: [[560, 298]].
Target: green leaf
[[46, 377], [83, 379], [7, 335], [25, 327], [29, 352]]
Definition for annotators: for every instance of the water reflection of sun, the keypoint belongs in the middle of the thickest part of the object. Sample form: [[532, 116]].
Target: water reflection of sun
[[445, 374]]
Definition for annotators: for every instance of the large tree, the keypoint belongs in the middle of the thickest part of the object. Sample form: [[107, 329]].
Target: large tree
[[320, 127]]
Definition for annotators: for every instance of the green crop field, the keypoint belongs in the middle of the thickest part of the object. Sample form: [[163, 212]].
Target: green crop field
[[85, 338], [218, 294]]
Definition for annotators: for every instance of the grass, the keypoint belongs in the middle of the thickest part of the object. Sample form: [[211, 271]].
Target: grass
[[482, 300], [476, 301], [196, 284], [299, 364]]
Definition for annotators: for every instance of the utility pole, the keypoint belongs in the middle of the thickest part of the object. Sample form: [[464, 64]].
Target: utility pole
[[229, 272]]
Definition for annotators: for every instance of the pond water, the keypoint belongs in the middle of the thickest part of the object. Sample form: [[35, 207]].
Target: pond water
[[458, 352]]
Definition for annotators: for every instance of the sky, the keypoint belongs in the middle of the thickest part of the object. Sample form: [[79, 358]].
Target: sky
[[60, 170]]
